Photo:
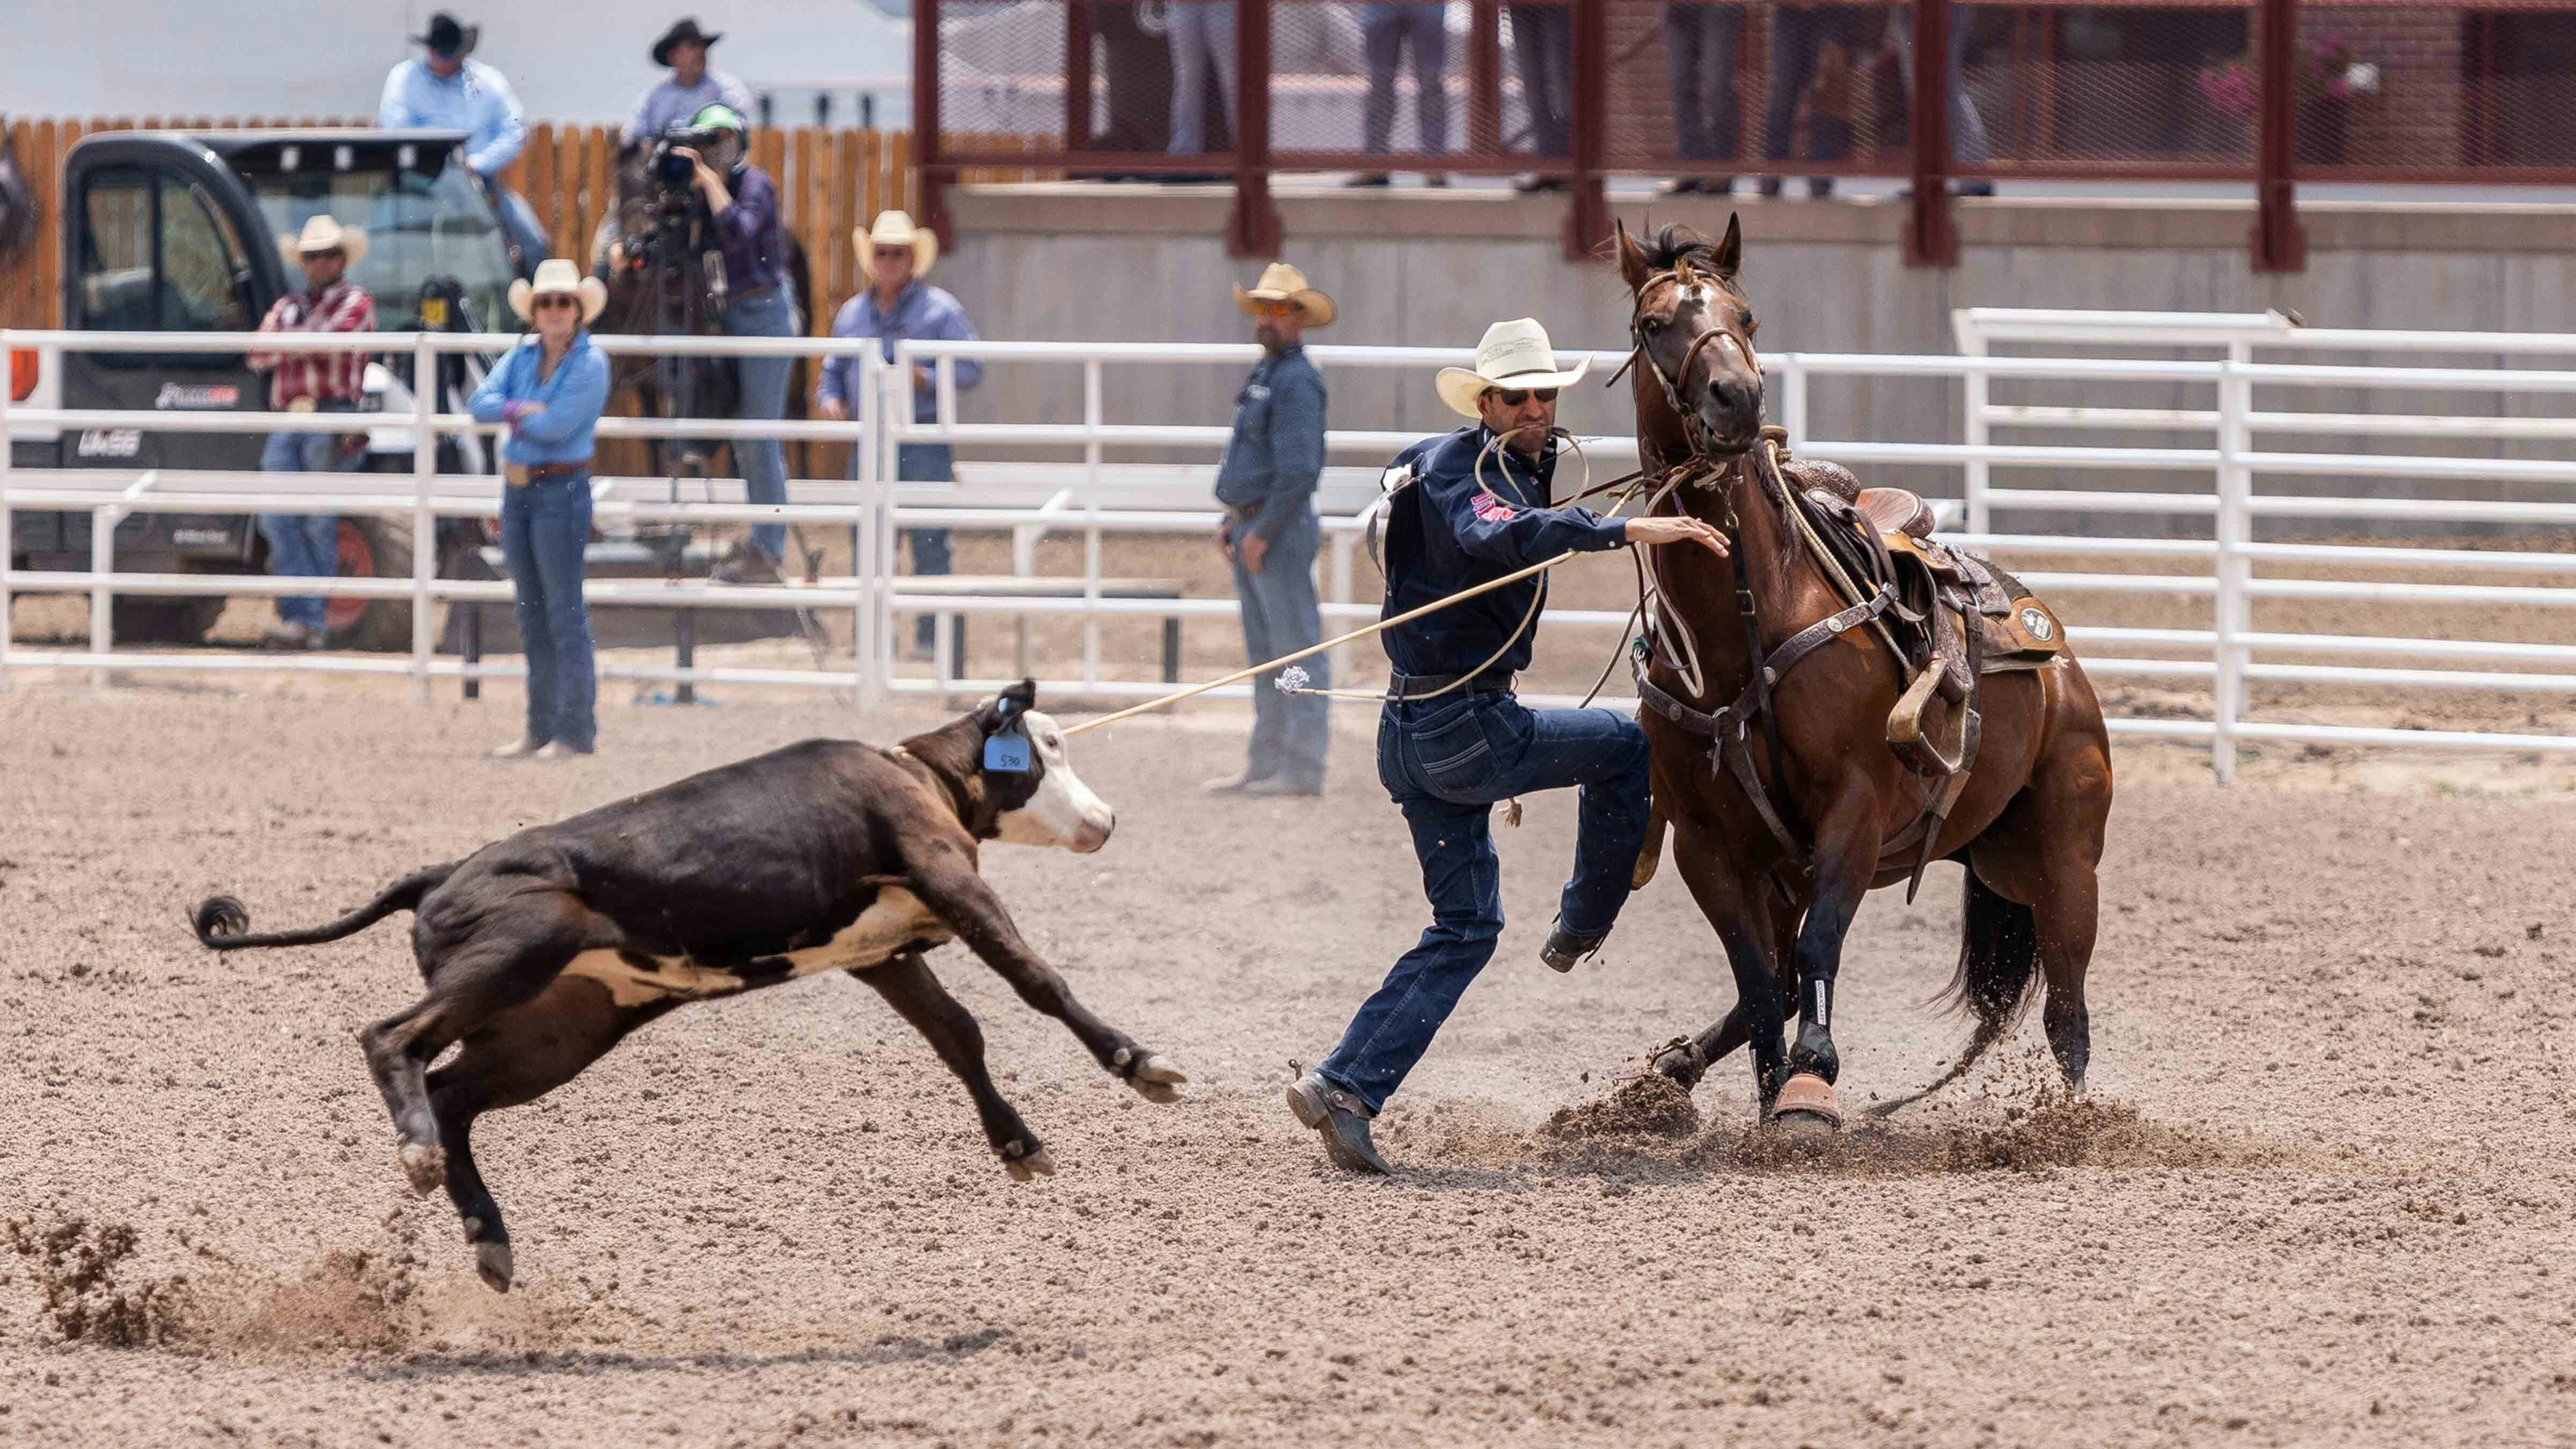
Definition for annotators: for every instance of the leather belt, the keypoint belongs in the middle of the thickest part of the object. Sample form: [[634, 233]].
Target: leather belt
[[1415, 686], [520, 475]]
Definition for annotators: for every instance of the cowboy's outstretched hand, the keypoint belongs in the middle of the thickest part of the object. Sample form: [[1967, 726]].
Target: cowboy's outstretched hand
[[1666, 529]]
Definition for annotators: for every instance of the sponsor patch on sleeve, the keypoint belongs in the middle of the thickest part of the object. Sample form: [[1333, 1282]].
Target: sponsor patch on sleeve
[[1492, 509]]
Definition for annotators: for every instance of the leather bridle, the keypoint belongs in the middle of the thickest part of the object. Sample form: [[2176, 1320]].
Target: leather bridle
[[1671, 382]]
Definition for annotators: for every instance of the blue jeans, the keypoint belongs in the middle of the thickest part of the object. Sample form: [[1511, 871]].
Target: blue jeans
[[518, 223], [925, 463], [1446, 761], [1799, 34], [1280, 616], [764, 398], [1201, 31], [1386, 32], [1543, 46], [1700, 43], [305, 545], [544, 529]]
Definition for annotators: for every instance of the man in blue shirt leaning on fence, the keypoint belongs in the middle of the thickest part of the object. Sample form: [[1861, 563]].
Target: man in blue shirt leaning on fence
[[1453, 739], [895, 258], [445, 90], [1270, 534]]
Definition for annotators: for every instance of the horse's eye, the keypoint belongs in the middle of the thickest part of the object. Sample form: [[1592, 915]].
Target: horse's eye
[[1650, 323], [1750, 326]]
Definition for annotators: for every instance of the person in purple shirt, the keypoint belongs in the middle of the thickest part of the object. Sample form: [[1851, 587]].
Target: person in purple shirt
[[895, 257], [757, 302]]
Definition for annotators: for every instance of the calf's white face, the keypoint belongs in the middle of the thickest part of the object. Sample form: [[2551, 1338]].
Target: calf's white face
[[1063, 812]]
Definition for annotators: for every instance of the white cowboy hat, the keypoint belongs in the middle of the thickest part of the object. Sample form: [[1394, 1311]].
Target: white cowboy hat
[[895, 229], [1514, 355], [554, 275], [322, 234], [1281, 282]]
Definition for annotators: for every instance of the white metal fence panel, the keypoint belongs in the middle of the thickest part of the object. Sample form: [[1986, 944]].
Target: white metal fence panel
[[2216, 478]]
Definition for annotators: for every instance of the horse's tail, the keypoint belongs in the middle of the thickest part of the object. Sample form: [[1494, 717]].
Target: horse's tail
[[1998, 967], [223, 922]]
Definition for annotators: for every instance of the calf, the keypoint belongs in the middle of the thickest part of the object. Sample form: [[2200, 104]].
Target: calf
[[543, 950]]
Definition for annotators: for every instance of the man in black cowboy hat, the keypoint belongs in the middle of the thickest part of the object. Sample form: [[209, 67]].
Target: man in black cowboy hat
[[692, 87], [443, 90]]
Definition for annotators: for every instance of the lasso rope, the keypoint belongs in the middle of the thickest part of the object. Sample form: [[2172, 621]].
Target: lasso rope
[[1355, 635]]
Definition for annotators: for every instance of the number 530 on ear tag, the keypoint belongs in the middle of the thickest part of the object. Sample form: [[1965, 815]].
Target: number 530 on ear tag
[[1007, 753]]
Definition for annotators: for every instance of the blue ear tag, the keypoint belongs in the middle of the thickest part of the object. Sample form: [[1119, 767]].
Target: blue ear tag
[[1007, 753]]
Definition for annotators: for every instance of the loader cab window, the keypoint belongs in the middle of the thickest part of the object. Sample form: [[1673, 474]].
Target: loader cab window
[[157, 257]]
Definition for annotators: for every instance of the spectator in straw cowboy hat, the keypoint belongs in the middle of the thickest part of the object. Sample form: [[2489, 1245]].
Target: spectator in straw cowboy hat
[[1267, 486], [446, 90], [692, 86], [307, 545], [1452, 738], [895, 258], [549, 390]]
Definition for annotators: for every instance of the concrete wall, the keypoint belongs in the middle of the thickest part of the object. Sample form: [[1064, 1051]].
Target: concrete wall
[[1084, 262]]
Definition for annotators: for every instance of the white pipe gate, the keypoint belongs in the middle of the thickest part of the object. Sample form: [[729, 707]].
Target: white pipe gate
[[2230, 654]]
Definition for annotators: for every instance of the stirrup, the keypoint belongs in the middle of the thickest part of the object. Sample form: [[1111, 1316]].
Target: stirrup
[[1925, 754]]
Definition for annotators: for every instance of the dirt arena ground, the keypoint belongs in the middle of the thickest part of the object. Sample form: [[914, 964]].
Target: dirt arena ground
[[2321, 1191]]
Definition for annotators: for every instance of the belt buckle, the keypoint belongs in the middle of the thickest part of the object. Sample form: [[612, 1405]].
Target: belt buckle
[[303, 404]]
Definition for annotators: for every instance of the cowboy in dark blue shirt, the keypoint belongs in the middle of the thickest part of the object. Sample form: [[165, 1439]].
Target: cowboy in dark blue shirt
[[1452, 740]]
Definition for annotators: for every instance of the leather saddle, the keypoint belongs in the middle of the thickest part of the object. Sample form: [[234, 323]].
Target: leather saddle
[[1958, 615]]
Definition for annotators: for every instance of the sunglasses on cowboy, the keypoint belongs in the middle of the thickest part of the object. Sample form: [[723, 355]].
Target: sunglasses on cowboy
[[1512, 397], [550, 300]]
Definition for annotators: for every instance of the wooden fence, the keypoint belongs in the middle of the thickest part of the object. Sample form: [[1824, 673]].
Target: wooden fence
[[829, 180]]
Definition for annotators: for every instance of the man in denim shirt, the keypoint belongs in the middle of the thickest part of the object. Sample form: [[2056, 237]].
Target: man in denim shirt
[[1270, 534], [895, 258], [1452, 740]]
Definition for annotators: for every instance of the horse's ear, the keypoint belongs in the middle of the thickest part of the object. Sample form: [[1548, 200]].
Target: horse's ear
[[1632, 259], [1730, 252]]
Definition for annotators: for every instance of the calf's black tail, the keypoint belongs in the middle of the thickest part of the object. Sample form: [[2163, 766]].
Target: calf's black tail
[[223, 922]]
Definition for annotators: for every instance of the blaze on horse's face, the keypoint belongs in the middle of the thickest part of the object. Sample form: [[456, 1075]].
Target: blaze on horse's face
[[1694, 331], [1047, 804]]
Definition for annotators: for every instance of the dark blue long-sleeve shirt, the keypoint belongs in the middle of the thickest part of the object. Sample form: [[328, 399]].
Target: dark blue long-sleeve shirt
[[1444, 534], [1276, 456]]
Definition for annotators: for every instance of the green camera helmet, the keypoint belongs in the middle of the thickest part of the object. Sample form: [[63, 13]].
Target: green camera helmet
[[724, 131]]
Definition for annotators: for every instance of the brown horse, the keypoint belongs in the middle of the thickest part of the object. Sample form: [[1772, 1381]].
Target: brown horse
[[1786, 803]]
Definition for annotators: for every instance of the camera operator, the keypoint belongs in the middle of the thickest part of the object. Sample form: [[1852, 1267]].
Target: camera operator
[[755, 302]]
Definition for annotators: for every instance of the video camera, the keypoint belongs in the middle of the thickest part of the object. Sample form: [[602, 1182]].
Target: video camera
[[673, 172]]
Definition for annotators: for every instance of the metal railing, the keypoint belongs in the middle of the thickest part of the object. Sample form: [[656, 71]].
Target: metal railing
[[2224, 567], [2262, 95]]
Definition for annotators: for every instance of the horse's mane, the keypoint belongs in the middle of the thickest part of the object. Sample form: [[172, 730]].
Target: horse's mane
[[1677, 242]]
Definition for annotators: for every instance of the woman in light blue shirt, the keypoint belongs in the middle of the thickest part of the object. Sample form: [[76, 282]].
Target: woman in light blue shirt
[[549, 390]]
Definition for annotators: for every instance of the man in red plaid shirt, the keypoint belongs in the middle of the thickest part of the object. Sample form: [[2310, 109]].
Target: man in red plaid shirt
[[307, 545]]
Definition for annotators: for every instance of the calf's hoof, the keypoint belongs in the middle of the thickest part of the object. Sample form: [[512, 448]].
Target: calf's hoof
[[1807, 1107], [1027, 1164], [1155, 1078], [492, 1261], [425, 1166]]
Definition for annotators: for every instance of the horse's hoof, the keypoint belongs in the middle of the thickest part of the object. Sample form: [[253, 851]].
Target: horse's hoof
[[1807, 1107], [494, 1263], [1679, 1062], [425, 1166]]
